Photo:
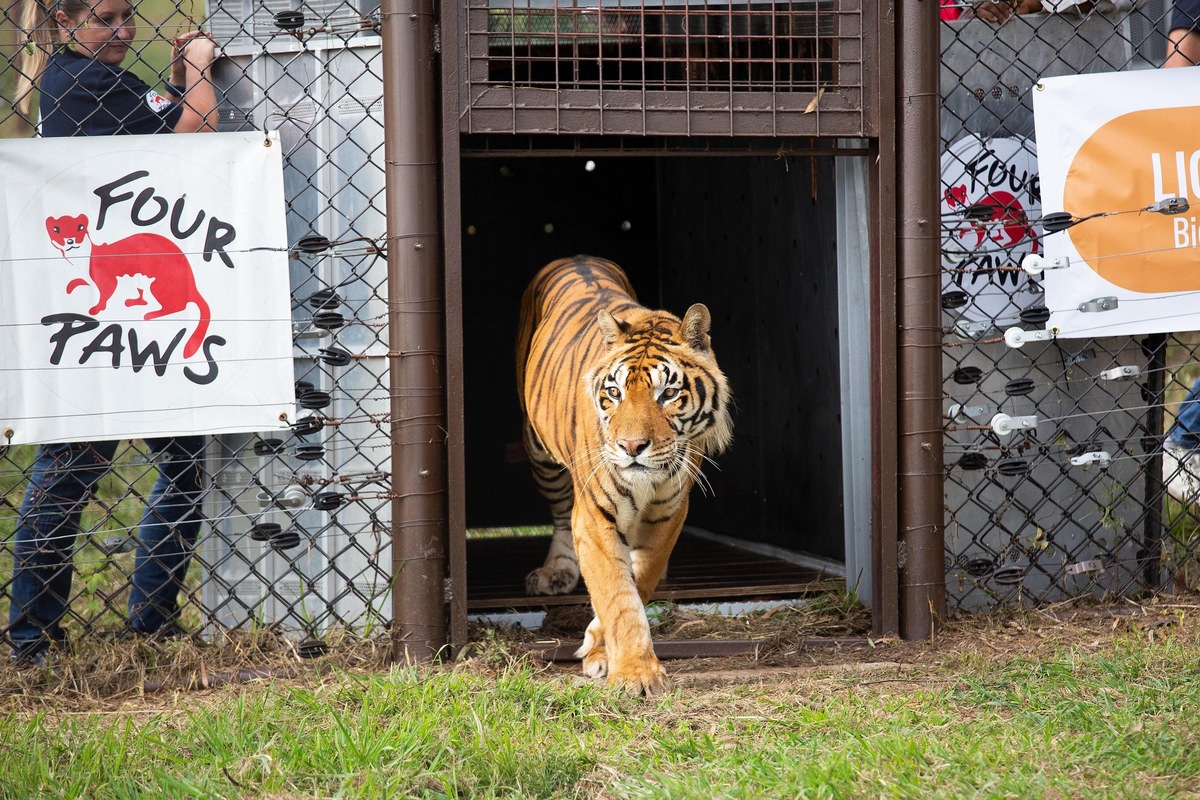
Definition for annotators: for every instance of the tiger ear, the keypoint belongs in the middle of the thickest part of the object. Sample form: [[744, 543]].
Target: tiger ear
[[693, 331], [611, 328]]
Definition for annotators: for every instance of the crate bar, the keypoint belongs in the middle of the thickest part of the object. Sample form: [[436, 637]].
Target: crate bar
[[456, 437]]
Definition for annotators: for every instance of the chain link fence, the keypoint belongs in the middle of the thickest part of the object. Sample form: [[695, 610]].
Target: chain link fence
[[295, 525], [1086, 502]]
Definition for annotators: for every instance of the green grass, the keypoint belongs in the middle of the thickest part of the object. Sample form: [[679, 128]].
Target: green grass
[[1113, 721]]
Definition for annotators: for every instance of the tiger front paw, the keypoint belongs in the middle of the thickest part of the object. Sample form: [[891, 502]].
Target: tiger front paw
[[646, 677], [595, 663], [545, 580]]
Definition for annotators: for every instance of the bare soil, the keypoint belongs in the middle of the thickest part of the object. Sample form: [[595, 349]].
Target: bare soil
[[823, 643]]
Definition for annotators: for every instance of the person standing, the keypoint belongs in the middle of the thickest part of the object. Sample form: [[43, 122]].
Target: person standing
[[1183, 50], [73, 58]]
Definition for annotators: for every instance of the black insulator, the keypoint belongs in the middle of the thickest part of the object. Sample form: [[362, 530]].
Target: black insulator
[[285, 540], [1038, 315], [335, 356], [304, 386], [1013, 466], [1057, 221], [1009, 575], [306, 425], [309, 451], [289, 21], [325, 298], [980, 212], [965, 375], [328, 320], [312, 648], [327, 501], [980, 566], [313, 399], [1019, 387], [954, 298], [268, 447], [265, 531], [972, 461]]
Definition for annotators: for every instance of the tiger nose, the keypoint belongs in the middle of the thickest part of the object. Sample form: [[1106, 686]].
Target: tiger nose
[[633, 447]]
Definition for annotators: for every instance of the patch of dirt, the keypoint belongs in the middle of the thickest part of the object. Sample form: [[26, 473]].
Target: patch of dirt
[[836, 642], [827, 641]]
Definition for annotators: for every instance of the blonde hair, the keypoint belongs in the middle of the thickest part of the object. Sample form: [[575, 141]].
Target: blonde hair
[[41, 29]]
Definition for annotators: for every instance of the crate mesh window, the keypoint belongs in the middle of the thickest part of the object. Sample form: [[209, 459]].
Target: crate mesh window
[[757, 68]]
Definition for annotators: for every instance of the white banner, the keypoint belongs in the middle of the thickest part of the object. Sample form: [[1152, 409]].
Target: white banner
[[143, 287], [1110, 145]]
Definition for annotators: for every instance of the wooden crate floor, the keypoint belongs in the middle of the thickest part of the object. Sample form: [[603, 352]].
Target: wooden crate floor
[[700, 570]]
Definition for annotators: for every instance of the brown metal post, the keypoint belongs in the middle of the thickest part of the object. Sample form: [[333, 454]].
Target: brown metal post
[[920, 557], [416, 314]]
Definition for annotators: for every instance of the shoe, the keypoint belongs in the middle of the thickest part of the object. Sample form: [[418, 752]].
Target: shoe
[[30, 659], [1181, 473], [172, 630], [1181, 443]]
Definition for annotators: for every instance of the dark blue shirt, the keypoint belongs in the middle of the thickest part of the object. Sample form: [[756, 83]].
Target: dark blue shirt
[[84, 97]]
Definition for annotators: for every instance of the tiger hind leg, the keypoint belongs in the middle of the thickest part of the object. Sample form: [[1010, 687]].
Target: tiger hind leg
[[559, 574]]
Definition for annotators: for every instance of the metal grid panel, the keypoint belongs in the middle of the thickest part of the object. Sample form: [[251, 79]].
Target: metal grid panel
[[795, 68], [296, 525], [1086, 502]]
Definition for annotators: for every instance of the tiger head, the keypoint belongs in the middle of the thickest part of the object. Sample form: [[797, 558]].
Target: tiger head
[[659, 394]]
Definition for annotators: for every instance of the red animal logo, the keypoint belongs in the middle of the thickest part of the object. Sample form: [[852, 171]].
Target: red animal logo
[[155, 257], [997, 216]]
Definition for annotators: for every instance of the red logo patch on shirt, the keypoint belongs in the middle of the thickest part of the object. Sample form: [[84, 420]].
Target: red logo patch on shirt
[[156, 101]]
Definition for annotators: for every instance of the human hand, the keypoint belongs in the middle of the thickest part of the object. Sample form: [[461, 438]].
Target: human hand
[[994, 12], [196, 49]]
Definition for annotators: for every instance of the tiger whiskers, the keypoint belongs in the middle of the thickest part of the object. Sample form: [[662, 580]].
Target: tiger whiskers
[[592, 460], [693, 468]]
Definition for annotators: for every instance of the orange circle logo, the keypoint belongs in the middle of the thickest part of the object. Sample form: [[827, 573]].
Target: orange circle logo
[[1131, 162]]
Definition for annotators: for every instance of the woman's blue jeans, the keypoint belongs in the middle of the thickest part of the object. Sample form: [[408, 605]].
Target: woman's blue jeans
[[1186, 430], [62, 478]]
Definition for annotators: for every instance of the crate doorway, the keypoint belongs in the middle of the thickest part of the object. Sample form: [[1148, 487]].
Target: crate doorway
[[754, 238]]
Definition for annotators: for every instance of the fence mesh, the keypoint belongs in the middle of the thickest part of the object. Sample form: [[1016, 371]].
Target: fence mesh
[[1087, 502], [294, 525]]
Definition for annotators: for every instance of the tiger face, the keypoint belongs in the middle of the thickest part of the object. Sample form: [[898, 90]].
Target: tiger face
[[658, 396]]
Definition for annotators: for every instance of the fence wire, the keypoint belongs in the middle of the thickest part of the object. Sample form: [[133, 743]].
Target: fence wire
[[294, 525], [1088, 502]]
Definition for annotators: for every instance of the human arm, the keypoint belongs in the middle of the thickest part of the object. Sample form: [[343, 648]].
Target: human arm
[[1001, 10], [191, 67], [1183, 48]]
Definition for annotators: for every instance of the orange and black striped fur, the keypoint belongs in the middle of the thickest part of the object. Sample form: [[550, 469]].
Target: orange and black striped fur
[[622, 405]]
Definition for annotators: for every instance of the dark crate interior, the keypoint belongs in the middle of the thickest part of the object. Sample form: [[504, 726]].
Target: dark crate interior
[[752, 237]]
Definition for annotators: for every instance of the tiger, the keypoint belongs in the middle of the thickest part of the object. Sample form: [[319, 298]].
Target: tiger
[[621, 406]]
